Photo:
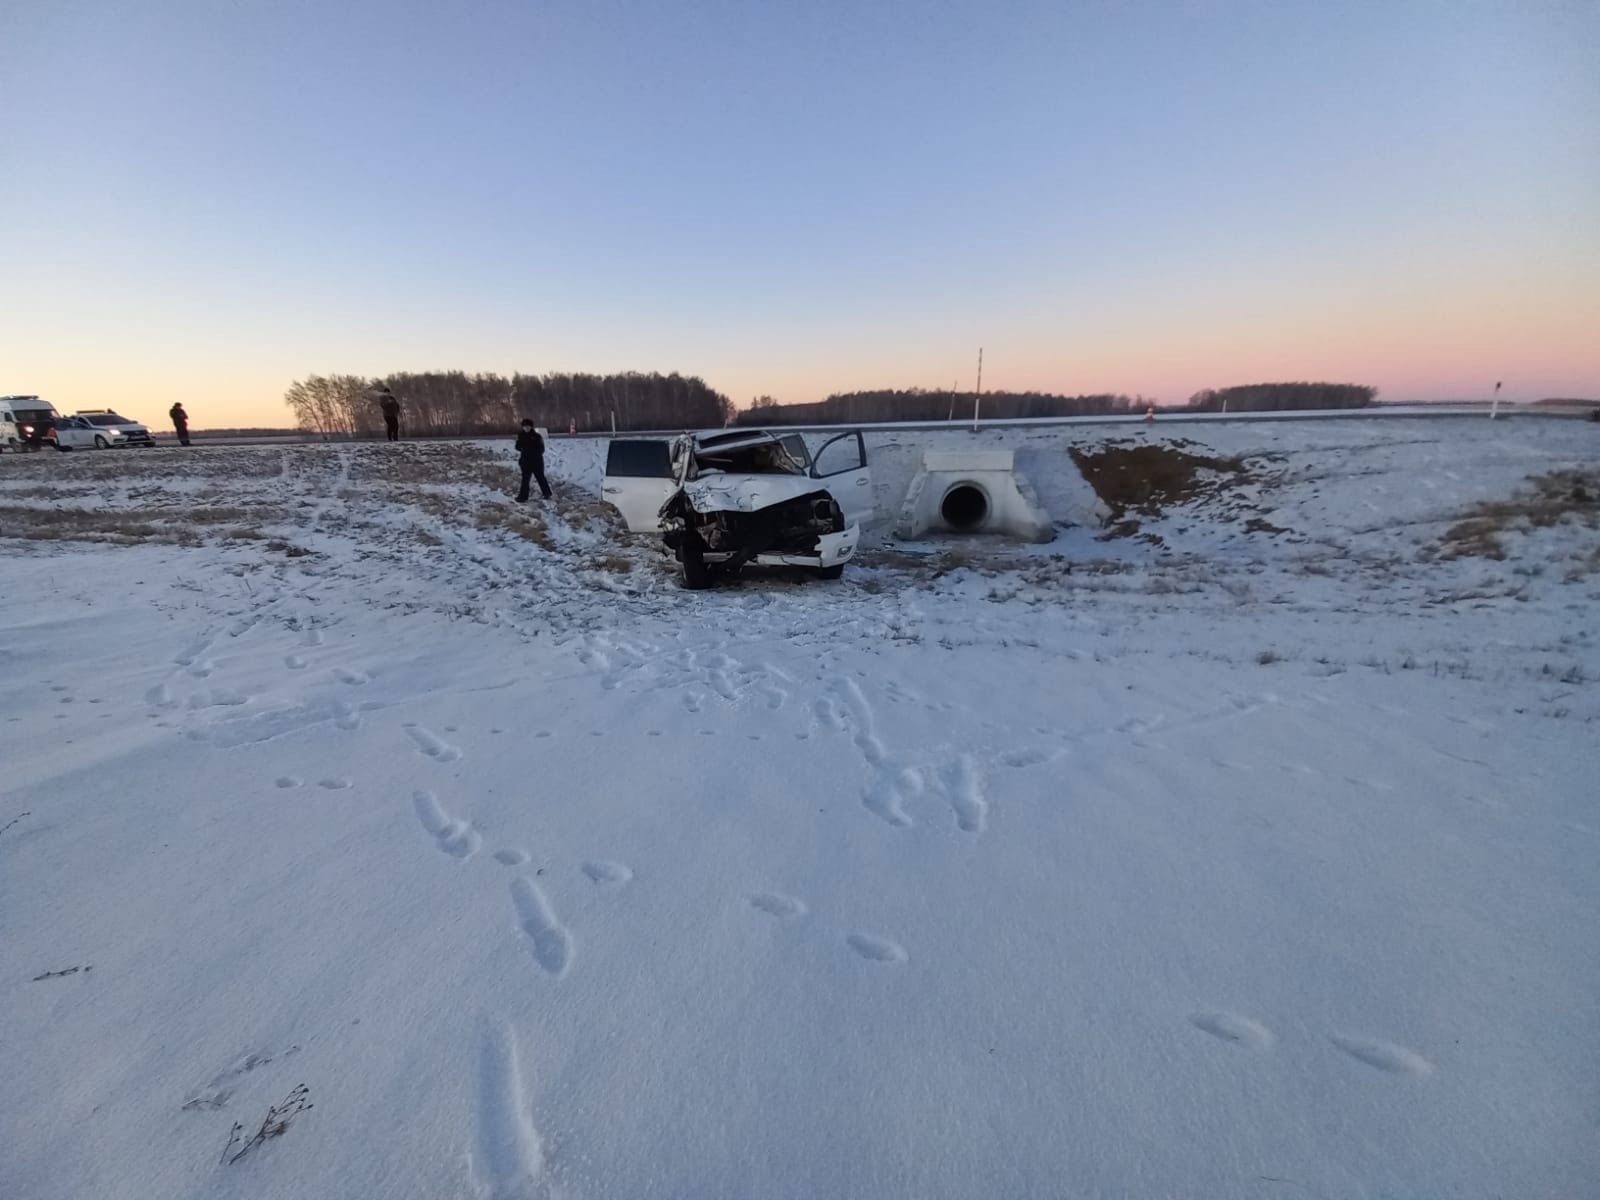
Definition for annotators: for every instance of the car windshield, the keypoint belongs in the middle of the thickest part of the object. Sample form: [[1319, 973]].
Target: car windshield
[[108, 419]]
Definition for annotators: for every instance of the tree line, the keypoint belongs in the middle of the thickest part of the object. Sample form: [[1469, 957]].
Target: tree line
[[455, 404], [920, 404], [1282, 397]]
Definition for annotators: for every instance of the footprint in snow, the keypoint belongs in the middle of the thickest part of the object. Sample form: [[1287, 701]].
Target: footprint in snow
[[876, 949], [1024, 758], [455, 837], [775, 904], [1231, 1027], [432, 744], [1385, 1056], [335, 783], [612, 874], [289, 781], [511, 856], [552, 944]]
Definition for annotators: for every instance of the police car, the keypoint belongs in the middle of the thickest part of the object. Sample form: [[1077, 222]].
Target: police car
[[107, 429]]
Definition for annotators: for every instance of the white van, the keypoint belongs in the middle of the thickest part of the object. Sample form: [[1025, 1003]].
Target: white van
[[26, 423]]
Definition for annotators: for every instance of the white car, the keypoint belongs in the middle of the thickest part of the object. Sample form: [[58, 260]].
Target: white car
[[116, 430], [75, 433], [721, 500]]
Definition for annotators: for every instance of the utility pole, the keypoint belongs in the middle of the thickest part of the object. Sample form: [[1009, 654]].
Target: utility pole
[[977, 396], [952, 416]]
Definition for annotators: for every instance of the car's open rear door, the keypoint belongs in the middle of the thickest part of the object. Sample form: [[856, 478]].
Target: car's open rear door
[[638, 480], [841, 462]]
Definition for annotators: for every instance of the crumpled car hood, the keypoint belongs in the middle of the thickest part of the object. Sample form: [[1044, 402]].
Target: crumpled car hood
[[747, 493]]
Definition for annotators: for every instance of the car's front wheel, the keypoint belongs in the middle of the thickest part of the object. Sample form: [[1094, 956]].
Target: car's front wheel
[[696, 571], [834, 572], [100, 443]]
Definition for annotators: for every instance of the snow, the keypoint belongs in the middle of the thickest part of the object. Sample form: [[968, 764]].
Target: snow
[[1244, 864]]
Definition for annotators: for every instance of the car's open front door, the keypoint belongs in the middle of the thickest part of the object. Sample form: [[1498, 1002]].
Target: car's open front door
[[639, 480], [842, 462]]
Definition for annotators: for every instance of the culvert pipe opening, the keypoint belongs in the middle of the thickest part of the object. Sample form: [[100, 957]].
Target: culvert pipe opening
[[964, 506]]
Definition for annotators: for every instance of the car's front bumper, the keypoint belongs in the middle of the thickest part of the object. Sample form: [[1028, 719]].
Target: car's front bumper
[[833, 549]]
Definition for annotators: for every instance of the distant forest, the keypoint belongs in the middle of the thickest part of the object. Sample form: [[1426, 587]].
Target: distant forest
[[455, 404], [1282, 397], [919, 404]]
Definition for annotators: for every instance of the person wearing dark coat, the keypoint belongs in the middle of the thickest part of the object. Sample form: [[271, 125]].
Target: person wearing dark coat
[[180, 422], [391, 413], [530, 456]]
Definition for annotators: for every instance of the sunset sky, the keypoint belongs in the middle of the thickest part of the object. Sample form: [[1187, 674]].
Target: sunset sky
[[206, 201]]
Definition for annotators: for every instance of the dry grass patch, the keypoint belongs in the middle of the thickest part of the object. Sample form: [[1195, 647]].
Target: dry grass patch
[[616, 564], [432, 463], [48, 491], [515, 520], [440, 505], [1556, 498], [85, 525], [596, 515]]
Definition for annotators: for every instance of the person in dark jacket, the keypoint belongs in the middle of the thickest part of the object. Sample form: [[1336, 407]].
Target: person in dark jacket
[[530, 456], [391, 413], [180, 422]]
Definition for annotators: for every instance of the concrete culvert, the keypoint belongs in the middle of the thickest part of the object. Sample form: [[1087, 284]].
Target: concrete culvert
[[964, 506], [972, 491]]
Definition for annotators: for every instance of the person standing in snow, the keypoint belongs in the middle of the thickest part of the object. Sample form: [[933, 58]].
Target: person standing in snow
[[530, 457], [391, 413], [180, 422]]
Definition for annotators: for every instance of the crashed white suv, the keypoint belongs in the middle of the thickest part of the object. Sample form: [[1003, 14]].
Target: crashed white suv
[[721, 500]]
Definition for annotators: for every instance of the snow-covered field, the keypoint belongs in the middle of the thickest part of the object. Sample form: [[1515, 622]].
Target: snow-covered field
[[1256, 855]]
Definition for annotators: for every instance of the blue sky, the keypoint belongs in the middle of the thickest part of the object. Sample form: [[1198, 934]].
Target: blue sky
[[206, 201]]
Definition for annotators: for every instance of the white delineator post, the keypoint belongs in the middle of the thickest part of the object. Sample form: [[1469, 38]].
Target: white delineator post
[[1494, 405], [977, 395]]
